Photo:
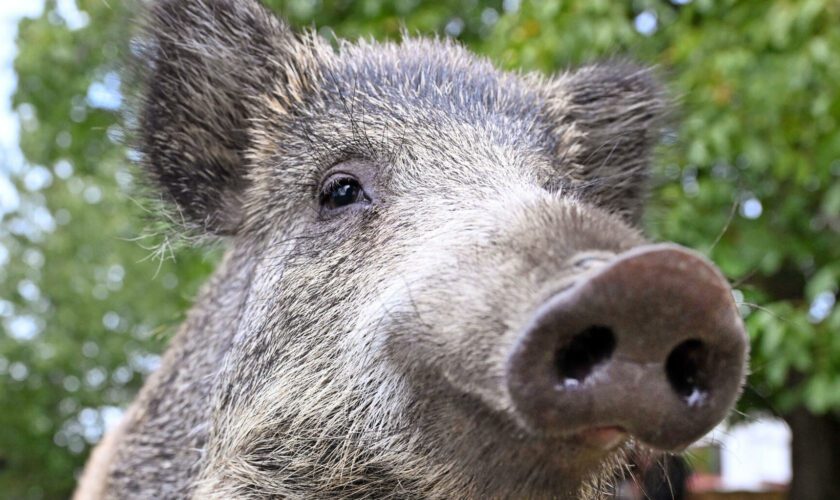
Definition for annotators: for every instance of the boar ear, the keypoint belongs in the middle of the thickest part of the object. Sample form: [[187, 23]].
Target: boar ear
[[608, 118], [206, 70]]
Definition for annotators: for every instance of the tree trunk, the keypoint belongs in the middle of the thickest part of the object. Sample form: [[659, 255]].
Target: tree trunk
[[815, 454]]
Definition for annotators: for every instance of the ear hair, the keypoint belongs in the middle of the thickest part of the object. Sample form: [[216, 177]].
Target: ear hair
[[608, 119], [205, 66]]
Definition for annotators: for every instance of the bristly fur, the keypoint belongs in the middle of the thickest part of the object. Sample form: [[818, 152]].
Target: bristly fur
[[360, 355]]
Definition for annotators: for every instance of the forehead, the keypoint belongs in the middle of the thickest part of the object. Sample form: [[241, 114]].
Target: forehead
[[431, 86]]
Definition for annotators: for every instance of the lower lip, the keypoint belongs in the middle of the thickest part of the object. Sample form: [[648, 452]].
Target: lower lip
[[603, 438]]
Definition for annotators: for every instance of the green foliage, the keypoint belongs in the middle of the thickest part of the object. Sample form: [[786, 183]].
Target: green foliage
[[750, 174], [86, 303]]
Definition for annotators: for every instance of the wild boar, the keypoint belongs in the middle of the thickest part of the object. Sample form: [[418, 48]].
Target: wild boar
[[436, 284]]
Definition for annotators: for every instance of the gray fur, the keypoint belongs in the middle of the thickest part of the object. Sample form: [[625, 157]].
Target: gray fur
[[360, 355]]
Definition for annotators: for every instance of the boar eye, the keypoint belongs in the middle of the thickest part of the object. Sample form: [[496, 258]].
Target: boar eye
[[340, 191]]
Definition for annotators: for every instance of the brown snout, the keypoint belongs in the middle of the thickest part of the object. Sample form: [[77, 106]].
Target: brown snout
[[651, 343]]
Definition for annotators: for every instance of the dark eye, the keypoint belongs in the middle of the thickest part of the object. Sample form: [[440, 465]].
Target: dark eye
[[341, 191]]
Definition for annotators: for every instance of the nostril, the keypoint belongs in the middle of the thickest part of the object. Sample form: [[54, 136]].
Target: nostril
[[576, 360], [686, 371]]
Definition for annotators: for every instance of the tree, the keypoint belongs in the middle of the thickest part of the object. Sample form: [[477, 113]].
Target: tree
[[749, 173]]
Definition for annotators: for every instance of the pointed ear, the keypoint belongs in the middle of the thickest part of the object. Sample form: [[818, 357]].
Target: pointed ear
[[207, 67], [608, 118]]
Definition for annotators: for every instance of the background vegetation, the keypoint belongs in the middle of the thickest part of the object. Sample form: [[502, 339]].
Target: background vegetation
[[89, 292]]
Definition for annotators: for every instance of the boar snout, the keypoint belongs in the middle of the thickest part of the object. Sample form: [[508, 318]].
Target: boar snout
[[649, 343]]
